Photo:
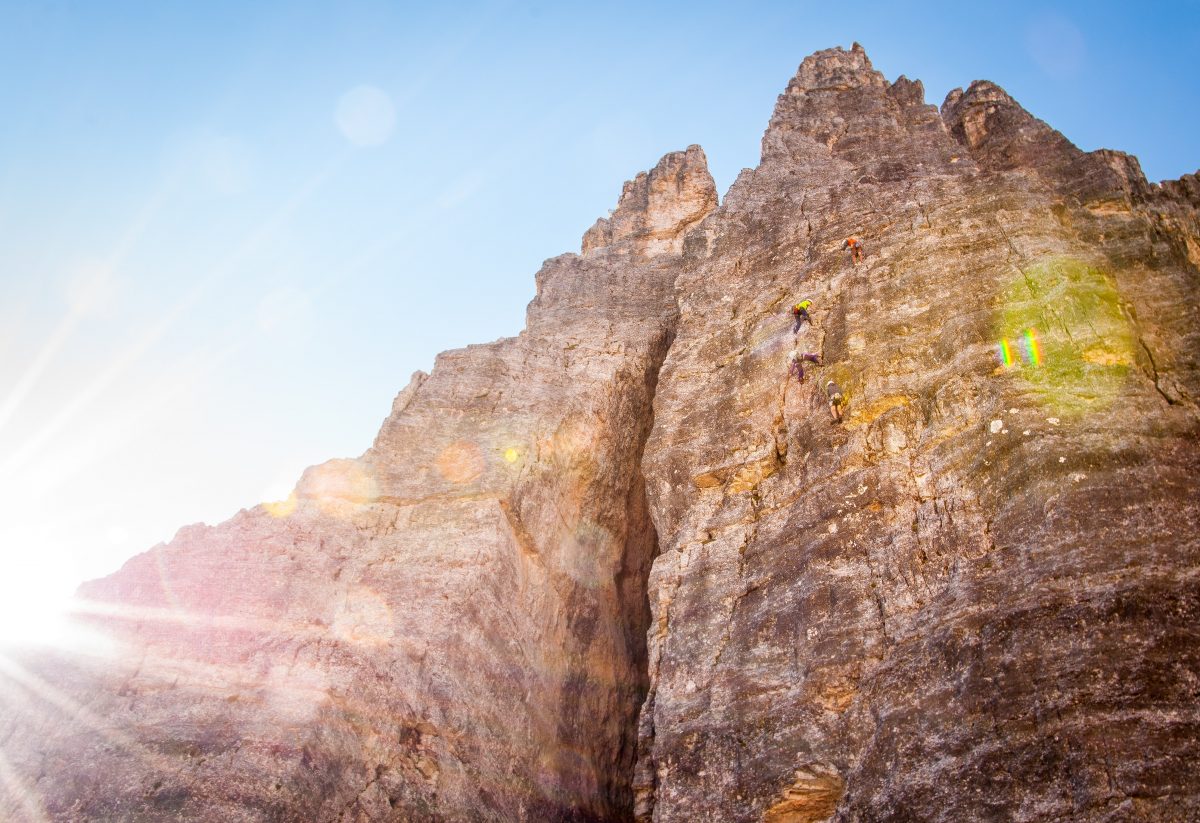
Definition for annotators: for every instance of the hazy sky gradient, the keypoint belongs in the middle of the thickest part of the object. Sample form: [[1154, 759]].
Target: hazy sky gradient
[[217, 268]]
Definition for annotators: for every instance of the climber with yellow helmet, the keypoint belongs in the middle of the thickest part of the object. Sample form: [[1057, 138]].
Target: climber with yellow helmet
[[800, 312]]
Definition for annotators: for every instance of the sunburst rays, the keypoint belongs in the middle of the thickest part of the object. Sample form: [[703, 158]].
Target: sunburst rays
[[18, 789]]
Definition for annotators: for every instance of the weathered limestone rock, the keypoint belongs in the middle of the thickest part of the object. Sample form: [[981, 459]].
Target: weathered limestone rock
[[977, 598], [657, 209], [451, 627]]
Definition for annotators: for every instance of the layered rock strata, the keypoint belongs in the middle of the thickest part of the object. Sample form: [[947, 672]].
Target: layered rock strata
[[974, 599]]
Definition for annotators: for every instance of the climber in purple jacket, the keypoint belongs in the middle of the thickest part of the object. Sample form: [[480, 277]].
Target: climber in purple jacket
[[797, 359]]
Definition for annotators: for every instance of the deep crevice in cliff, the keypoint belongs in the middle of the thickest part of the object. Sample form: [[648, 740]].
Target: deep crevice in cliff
[[642, 548]]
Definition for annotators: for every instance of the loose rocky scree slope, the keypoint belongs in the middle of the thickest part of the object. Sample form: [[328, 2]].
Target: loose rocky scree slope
[[620, 567]]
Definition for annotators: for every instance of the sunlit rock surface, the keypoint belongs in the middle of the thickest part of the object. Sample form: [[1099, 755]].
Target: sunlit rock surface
[[657, 208], [975, 599]]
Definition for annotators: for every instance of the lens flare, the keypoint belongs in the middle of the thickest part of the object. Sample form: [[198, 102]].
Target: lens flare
[[363, 618], [19, 789], [337, 486], [366, 116], [280, 509], [1032, 352], [1064, 337], [591, 553], [1006, 358], [460, 462]]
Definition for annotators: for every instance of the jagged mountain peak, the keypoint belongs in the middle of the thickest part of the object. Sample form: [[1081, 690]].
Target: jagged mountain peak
[[839, 113], [657, 208], [834, 69]]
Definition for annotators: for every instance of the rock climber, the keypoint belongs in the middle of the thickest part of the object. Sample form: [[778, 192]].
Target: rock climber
[[856, 249], [797, 359], [800, 312], [836, 400]]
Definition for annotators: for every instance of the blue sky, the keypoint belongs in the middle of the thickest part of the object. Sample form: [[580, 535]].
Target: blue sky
[[209, 281]]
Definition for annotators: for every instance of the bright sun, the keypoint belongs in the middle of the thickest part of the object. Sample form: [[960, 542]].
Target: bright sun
[[35, 594], [39, 570]]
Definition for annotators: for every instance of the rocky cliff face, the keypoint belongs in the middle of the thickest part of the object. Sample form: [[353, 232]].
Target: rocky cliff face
[[975, 598]]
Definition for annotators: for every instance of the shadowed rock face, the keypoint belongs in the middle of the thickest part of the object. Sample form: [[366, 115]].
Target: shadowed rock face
[[974, 599]]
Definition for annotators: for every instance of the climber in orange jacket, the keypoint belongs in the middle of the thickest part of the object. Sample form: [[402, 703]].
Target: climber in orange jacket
[[856, 249]]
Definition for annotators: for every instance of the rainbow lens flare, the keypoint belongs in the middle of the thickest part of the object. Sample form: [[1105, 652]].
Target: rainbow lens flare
[[1032, 352], [1063, 337], [1006, 358]]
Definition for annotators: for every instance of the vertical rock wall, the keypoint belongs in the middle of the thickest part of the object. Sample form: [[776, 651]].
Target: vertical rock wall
[[977, 597]]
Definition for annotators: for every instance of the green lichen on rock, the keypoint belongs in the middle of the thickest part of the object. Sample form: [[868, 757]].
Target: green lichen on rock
[[1062, 332]]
